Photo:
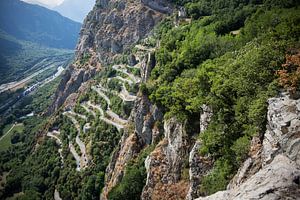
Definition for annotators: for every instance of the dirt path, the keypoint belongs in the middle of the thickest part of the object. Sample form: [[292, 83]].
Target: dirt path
[[76, 114], [125, 96], [13, 126], [116, 117], [129, 81], [84, 159], [54, 135], [115, 124], [116, 121], [97, 107], [74, 121], [122, 69], [143, 48]]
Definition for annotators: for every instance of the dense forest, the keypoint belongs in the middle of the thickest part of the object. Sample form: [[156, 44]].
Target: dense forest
[[228, 55]]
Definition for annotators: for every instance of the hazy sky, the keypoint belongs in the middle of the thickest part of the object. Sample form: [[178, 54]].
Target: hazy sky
[[73, 9], [50, 3]]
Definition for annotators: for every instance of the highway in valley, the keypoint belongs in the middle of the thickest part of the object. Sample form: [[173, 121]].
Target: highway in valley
[[48, 70]]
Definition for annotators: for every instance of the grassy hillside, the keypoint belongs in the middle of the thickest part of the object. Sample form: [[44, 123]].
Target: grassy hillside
[[10, 131]]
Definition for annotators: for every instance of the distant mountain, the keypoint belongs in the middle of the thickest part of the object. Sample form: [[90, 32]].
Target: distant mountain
[[36, 2], [38, 24], [75, 9]]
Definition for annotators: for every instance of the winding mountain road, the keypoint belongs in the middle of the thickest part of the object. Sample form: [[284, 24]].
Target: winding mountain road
[[125, 96], [116, 117], [54, 135], [83, 160], [122, 69], [116, 121], [99, 91], [143, 48], [75, 155], [97, 107], [86, 108]]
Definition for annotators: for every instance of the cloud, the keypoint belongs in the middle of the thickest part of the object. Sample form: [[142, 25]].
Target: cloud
[[50, 3]]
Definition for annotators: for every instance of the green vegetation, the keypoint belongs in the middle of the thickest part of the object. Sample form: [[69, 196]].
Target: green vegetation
[[17, 159], [42, 98], [17, 155], [21, 58], [13, 136], [86, 57], [134, 179], [229, 58], [205, 63]]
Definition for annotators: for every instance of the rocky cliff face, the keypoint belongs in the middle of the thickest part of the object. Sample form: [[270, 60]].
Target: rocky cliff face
[[199, 165], [175, 168], [273, 170], [70, 83], [165, 164], [144, 119], [110, 29]]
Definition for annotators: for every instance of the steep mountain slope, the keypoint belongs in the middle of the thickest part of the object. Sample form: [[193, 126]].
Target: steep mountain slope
[[183, 85], [75, 9], [109, 30], [166, 102], [37, 24]]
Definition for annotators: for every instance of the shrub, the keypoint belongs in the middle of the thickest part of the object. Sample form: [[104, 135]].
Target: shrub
[[289, 75], [217, 180]]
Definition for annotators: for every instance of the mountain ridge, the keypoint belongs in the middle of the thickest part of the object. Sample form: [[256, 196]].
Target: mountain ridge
[[75, 9], [38, 24]]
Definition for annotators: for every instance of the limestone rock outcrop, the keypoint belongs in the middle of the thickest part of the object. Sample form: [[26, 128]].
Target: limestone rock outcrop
[[70, 83], [273, 172], [165, 164], [113, 26], [199, 165], [277, 180], [144, 117]]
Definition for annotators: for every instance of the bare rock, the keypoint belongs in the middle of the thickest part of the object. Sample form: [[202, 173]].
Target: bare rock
[[113, 26], [277, 180], [147, 65], [273, 169], [132, 60], [283, 129], [127, 149], [70, 83], [165, 164], [198, 165], [145, 115]]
